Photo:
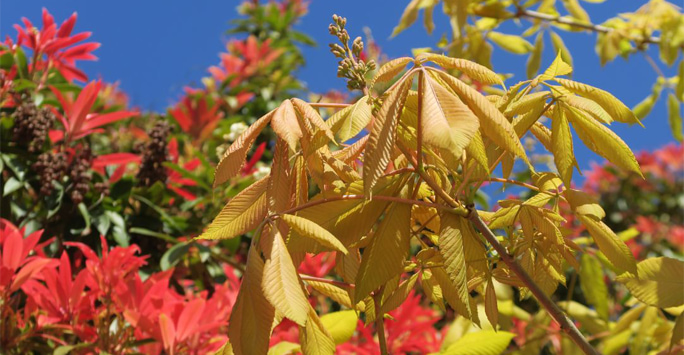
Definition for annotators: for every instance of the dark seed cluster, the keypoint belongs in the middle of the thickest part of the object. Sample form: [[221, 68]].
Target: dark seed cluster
[[31, 125], [50, 166], [154, 155], [79, 173]]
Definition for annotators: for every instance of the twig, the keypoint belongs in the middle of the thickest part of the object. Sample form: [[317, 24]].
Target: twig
[[379, 321]]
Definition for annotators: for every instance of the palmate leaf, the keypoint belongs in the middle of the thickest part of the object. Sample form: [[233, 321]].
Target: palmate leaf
[[451, 247], [384, 258], [312, 230], [493, 123], [383, 135], [351, 120], [252, 316], [242, 213], [234, 158], [281, 284], [447, 123], [615, 108], [610, 244], [660, 282]]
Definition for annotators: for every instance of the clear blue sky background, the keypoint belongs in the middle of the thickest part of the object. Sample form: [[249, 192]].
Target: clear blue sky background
[[155, 48]]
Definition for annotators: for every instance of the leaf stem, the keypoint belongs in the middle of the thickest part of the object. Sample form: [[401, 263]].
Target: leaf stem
[[556, 313], [379, 321]]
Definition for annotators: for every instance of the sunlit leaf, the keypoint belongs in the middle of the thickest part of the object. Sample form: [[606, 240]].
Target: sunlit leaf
[[660, 282]]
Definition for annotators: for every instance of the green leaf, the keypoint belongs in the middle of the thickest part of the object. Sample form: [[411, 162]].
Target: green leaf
[[11, 185], [341, 325], [659, 284], [173, 255], [511, 43], [485, 342]]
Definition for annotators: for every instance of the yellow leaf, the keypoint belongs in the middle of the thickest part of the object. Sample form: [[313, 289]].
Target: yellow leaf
[[279, 192], [252, 316], [314, 337], [451, 295], [484, 342], [589, 107], [281, 284], [561, 141], [593, 286], [511, 43], [335, 293], [610, 244], [383, 135], [491, 304], [534, 61], [675, 117], [399, 295], [557, 68], [559, 47], [341, 325], [347, 266], [451, 247], [447, 122], [576, 11], [584, 204], [384, 258], [286, 124], [242, 213], [226, 349], [678, 332], [234, 158], [660, 282], [603, 141], [587, 317], [312, 230], [473, 70], [351, 120], [408, 17], [679, 89], [432, 289], [615, 108], [527, 103], [493, 123], [284, 348]]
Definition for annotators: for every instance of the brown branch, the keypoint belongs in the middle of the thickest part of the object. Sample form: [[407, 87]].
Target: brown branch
[[552, 308], [379, 321]]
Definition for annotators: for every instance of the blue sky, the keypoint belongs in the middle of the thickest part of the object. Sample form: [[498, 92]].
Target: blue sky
[[156, 50]]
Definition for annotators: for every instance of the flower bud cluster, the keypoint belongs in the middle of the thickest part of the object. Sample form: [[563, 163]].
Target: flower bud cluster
[[155, 154], [351, 65]]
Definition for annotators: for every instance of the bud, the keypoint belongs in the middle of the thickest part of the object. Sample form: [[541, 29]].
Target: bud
[[333, 29], [357, 46]]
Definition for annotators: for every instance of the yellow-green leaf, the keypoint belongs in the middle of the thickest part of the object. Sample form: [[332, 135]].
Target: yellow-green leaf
[[234, 158], [312, 230], [315, 338], [603, 141], [351, 120], [252, 316], [242, 213], [284, 348], [383, 135], [583, 203], [335, 293], [281, 284], [226, 349], [451, 248], [660, 282], [384, 258], [617, 110], [399, 295], [484, 342], [678, 332], [675, 116], [576, 11], [511, 43], [592, 284], [557, 68], [408, 17], [610, 244], [561, 142], [559, 47], [341, 325], [534, 61]]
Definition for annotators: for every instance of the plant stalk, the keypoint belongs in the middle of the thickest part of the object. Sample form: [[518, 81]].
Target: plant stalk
[[552, 308], [379, 321]]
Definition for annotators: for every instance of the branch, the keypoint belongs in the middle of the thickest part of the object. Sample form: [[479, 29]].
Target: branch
[[556, 313], [379, 321], [530, 14]]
